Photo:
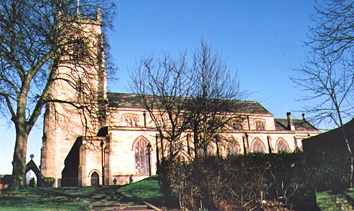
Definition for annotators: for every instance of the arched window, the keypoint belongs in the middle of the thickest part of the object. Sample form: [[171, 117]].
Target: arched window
[[130, 120], [282, 146], [141, 156], [233, 148], [94, 179], [257, 146], [260, 124]]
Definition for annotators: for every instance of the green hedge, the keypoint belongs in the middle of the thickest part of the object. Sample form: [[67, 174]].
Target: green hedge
[[240, 181]]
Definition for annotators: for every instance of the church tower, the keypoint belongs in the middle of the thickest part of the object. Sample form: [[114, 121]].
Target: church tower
[[78, 93]]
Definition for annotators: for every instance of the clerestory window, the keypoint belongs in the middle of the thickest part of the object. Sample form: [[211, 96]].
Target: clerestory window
[[260, 125]]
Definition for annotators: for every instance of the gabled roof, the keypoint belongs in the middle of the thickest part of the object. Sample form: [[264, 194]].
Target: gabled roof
[[300, 125], [250, 107], [126, 100], [330, 139]]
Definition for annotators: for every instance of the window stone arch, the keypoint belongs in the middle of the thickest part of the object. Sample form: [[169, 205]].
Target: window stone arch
[[31, 178], [282, 146], [130, 120], [233, 147], [141, 158], [258, 146], [94, 178], [260, 124]]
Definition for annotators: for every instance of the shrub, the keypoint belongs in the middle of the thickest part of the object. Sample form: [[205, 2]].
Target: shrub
[[238, 181]]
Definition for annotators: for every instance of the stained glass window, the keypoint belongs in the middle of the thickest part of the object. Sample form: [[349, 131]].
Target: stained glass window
[[260, 125], [258, 146], [233, 148], [141, 157], [282, 146]]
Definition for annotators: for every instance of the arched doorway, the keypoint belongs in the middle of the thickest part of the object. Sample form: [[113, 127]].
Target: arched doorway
[[31, 179], [95, 181]]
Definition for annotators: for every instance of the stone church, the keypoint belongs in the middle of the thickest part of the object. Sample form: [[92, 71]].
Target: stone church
[[118, 142]]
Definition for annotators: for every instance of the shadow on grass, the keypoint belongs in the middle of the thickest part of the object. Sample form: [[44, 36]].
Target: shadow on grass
[[53, 198], [78, 198]]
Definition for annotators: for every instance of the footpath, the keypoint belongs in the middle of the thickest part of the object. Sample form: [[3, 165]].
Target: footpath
[[104, 202]]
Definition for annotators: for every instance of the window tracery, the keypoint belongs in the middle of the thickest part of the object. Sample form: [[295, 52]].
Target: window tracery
[[236, 125], [160, 121], [258, 146], [260, 124], [130, 120], [282, 146], [141, 156], [233, 148]]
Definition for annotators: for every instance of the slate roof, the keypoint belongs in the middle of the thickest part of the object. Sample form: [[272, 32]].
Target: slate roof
[[300, 125], [126, 100]]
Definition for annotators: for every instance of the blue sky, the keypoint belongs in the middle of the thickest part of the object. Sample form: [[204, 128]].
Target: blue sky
[[261, 40]]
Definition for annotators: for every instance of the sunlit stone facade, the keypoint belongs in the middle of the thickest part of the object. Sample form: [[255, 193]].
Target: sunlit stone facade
[[113, 147]]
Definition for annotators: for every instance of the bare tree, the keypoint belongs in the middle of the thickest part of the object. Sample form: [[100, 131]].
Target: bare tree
[[192, 99], [214, 95], [163, 86], [38, 39], [327, 77]]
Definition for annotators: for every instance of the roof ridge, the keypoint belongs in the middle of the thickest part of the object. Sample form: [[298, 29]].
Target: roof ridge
[[134, 94], [119, 99]]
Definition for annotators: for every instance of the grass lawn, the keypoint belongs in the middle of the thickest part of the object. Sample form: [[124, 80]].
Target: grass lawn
[[78, 198], [48, 199], [144, 190]]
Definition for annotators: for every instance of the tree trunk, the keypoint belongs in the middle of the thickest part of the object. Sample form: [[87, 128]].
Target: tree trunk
[[351, 156], [196, 145], [351, 170], [19, 160]]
